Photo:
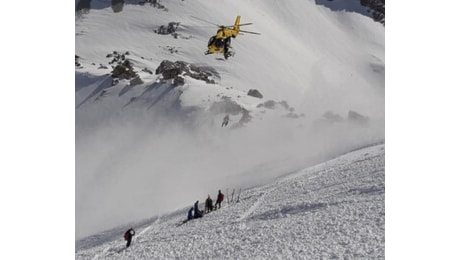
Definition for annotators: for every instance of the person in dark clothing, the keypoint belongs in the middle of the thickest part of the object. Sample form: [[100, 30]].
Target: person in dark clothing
[[197, 211], [129, 235], [190, 214], [227, 48], [208, 204], [225, 121], [220, 198]]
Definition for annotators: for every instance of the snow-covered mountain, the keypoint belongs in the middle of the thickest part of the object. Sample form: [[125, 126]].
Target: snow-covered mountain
[[147, 146], [335, 210]]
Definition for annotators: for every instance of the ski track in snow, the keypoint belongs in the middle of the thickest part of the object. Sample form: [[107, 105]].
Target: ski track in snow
[[334, 210], [254, 206]]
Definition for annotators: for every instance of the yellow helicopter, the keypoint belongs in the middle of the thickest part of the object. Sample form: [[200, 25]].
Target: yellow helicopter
[[220, 43]]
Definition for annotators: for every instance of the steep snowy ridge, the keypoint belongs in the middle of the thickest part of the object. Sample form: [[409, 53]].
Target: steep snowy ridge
[[334, 210], [145, 147]]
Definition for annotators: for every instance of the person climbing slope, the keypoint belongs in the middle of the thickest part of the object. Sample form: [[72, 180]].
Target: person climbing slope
[[190, 214], [197, 211], [225, 121], [220, 198], [208, 204], [129, 235]]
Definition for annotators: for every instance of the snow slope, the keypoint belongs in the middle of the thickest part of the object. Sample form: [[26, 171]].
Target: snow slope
[[145, 150], [334, 210]]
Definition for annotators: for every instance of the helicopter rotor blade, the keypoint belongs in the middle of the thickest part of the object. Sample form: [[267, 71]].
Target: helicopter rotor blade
[[231, 26], [205, 21], [250, 32]]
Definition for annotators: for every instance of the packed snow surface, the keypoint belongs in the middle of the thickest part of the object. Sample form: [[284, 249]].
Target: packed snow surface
[[334, 210]]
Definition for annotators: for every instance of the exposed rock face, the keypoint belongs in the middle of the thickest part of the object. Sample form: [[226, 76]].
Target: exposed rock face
[[332, 117], [77, 61], [270, 104], [377, 8], [136, 81], [255, 93], [117, 5], [173, 70], [83, 6], [124, 71], [168, 29], [154, 3]]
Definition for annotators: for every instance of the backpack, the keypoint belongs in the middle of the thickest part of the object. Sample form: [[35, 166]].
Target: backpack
[[128, 234]]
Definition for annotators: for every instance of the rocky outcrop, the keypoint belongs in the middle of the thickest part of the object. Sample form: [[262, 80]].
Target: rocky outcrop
[[176, 71], [117, 5], [330, 119], [357, 118], [154, 3], [77, 61], [167, 29], [124, 71], [83, 6], [255, 93], [376, 8], [117, 57]]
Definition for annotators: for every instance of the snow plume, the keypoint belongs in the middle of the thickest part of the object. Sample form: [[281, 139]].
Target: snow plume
[[147, 164]]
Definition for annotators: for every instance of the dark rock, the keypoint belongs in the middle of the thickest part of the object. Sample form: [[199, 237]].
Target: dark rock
[[171, 70], [270, 104], [136, 81], [168, 29], [117, 5], [178, 81], [147, 70], [292, 115], [83, 6], [77, 61], [332, 117], [377, 9], [255, 93], [357, 118], [284, 104], [153, 3], [124, 70]]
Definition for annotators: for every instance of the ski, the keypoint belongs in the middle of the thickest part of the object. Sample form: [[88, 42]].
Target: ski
[[227, 197], [239, 193]]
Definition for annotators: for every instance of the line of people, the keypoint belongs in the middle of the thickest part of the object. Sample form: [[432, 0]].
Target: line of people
[[195, 212]]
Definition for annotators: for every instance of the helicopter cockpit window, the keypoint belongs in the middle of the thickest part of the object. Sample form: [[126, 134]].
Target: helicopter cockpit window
[[219, 43]]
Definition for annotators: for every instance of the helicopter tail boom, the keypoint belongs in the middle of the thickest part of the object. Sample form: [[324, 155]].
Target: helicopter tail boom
[[236, 27]]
